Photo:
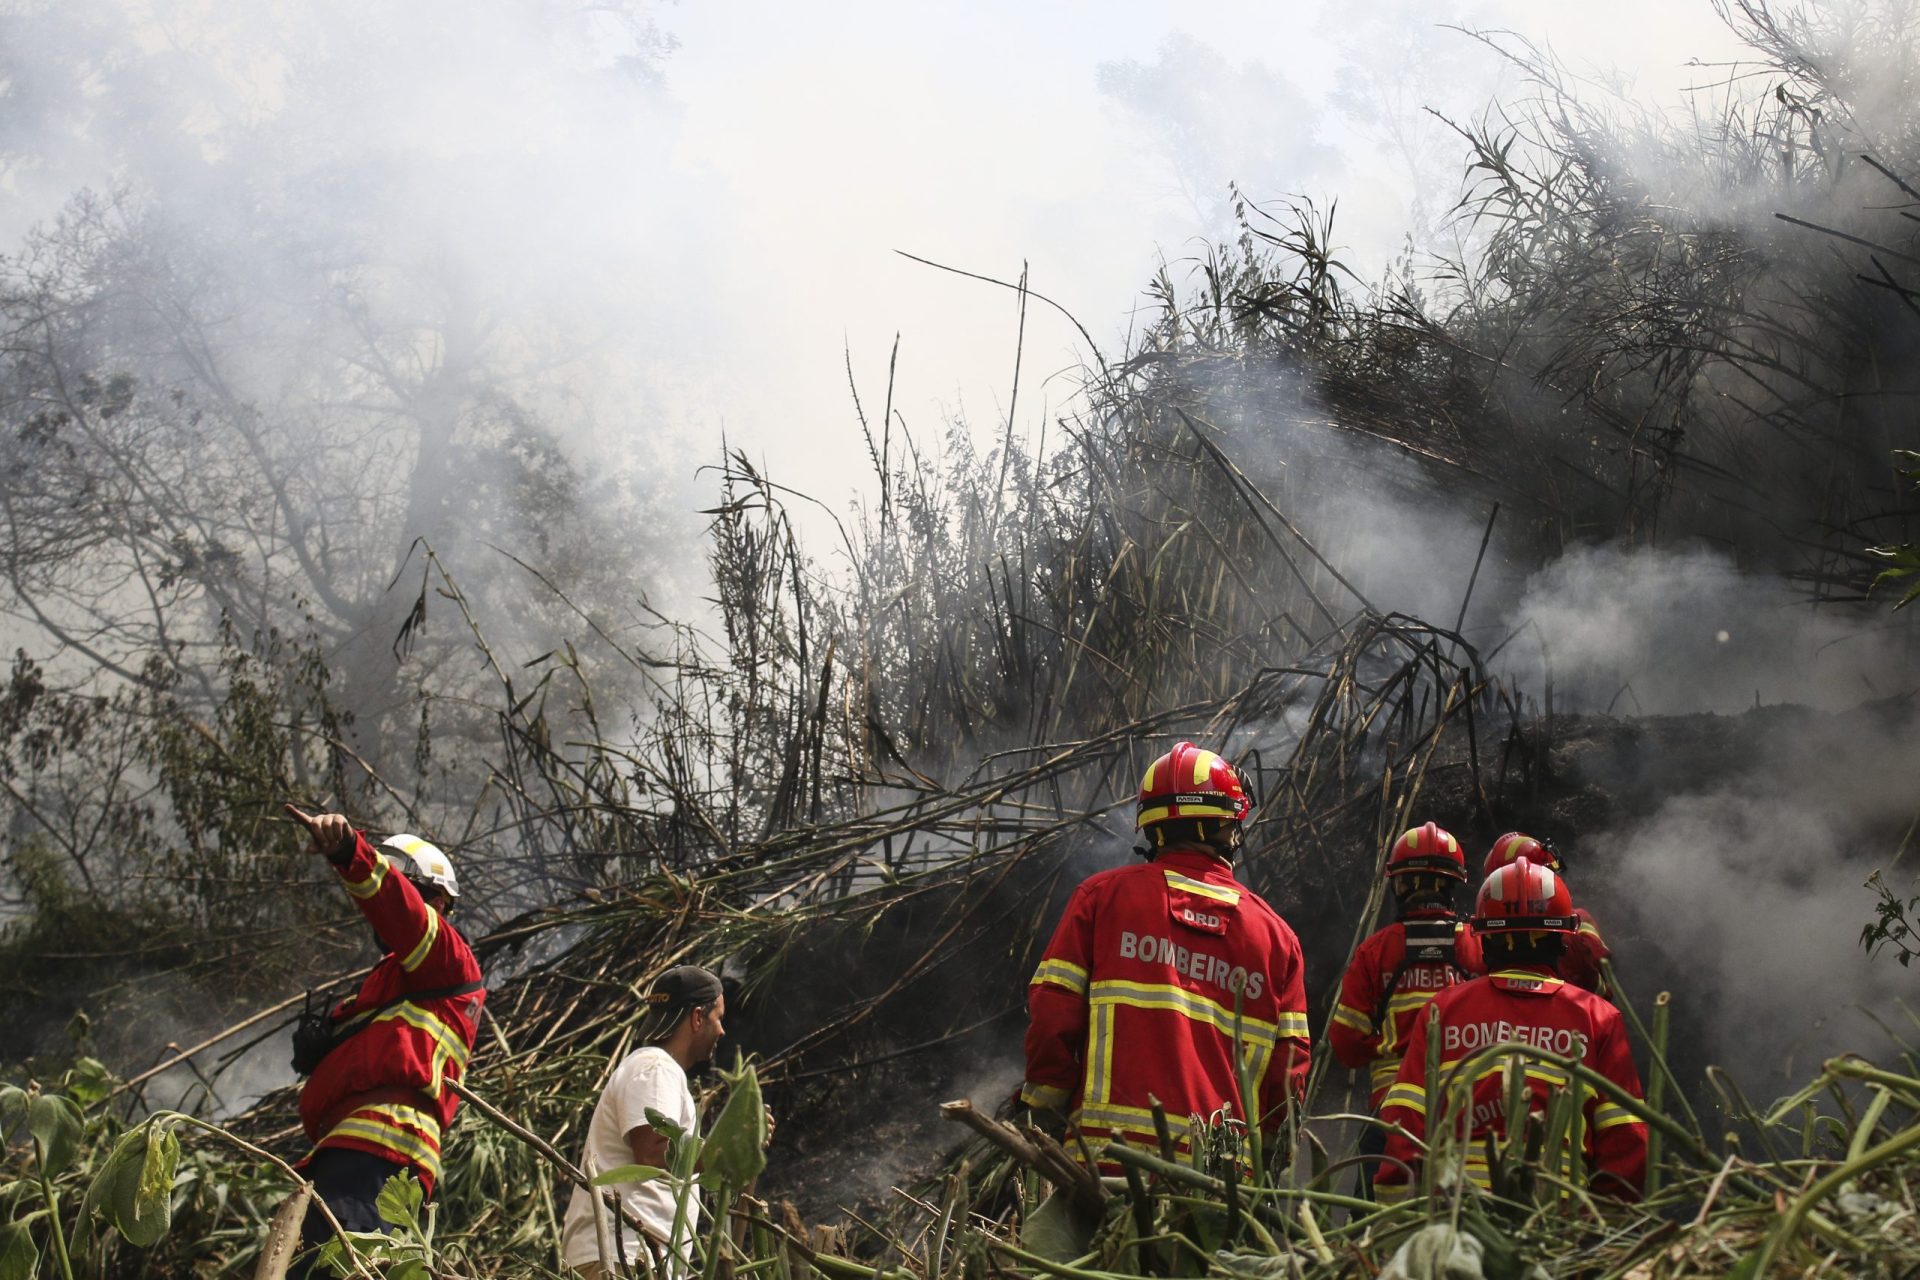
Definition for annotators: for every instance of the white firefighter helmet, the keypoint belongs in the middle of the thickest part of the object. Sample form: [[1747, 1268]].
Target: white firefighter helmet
[[423, 863]]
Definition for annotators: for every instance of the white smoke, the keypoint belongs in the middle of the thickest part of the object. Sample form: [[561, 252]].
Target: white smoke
[[1744, 890], [1668, 632]]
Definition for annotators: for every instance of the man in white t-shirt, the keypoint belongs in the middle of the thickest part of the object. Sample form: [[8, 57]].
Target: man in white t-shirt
[[678, 1033]]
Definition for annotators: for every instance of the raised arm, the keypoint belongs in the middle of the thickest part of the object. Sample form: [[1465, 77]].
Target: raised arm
[[430, 954]]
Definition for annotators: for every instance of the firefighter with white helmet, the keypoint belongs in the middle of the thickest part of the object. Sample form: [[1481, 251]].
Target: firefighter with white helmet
[[376, 1100], [1155, 966]]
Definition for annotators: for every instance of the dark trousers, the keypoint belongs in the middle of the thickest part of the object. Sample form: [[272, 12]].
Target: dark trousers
[[350, 1182], [1373, 1145]]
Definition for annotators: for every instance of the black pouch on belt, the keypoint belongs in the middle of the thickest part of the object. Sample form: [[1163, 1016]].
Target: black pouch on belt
[[313, 1037], [316, 1034]]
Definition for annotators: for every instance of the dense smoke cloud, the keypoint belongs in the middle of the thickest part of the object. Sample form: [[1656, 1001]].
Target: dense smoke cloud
[[1668, 632], [1743, 891]]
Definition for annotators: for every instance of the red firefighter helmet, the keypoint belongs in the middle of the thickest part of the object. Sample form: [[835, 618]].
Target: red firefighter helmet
[[1191, 782], [1516, 845], [1524, 897], [1427, 847]]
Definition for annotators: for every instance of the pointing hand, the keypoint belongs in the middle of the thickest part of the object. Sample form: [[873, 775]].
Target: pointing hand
[[332, 834]]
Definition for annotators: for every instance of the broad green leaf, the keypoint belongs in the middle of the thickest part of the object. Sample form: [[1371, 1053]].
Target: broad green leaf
[[19, 1256], [735, 1149], [1056, 1230], [122, 1164], [628, 1173], [56, 1124], [660, 1124], [89, 1081], [399, 1201], [331, 1257], [411, 1269], [13, 1109], [142, 1187]]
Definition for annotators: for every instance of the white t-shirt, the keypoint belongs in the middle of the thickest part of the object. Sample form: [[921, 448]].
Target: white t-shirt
[[649, 1078]]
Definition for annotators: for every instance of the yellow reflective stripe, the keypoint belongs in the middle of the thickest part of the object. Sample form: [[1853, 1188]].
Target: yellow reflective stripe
[[418, 955], [1544, 1072], [1589, 928], [1100, 1054], [396, 1129], [1219, 893], [1348, 1016], [1149, 995], [1411, 1096], [1405, 1000], [1392, 1193], [1384, 1071], [408, 845], [1062, 973], [1611, 1114], [1135, 1121], [452, 1044], [1043, 1095], [399, 1113], [394, 1139], [1203, 767], [1165, 811], [371, 885], [1118, 1113]]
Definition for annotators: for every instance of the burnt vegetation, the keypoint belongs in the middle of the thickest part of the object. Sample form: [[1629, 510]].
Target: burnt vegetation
[[860, 773]]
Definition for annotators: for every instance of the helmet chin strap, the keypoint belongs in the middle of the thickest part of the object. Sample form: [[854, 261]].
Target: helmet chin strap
[[1222, 844]]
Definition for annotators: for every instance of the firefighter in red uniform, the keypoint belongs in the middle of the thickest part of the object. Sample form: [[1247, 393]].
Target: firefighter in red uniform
[[1585, 949], [1524, 917], [376, 1101], [1158, 969], [1399, 968]]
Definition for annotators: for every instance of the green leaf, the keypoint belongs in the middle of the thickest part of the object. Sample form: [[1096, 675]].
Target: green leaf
[[399, 1201], [660, 1124], [89, 1081], [134, 1187], [331, 1257], [1056, 1230], [13, 1109], [411, 1269], [56, 1124], [736, 1147], [19, 1256], [1905, 563], [628, 1173]]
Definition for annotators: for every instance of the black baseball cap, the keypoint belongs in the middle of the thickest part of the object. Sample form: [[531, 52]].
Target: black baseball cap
[[685, 986]]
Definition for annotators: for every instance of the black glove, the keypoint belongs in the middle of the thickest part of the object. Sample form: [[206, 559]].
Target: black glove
[[1048, 1121]]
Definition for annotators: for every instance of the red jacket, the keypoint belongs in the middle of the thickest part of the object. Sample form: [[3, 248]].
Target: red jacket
[[1356, 1040], [1534, 1005], [383, 1089], [1135, 1000]]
